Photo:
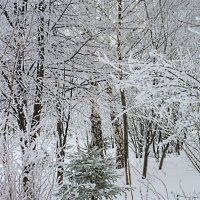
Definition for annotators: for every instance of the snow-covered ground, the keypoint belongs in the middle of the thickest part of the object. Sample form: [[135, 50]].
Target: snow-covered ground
[[177, 180]]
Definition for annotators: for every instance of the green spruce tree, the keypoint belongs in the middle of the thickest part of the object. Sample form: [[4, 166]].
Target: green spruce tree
[[89, 176]]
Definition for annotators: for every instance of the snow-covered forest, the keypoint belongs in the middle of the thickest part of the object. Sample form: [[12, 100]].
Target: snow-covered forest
[[100, 99]]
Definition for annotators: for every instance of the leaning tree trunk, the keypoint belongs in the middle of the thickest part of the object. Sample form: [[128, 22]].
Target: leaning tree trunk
[[163, 156]]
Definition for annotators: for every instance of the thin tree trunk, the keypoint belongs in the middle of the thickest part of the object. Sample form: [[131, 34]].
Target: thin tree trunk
[[60, 153], [35, 129], [118, 133], [126, 143], [21, 90], [163, 156], [146, 153], [178, 146], [140, 139], [149, 140], [61, 144], [145, 164], [122, 93]]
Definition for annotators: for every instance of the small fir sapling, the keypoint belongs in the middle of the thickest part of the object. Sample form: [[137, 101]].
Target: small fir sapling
[[89, 176]]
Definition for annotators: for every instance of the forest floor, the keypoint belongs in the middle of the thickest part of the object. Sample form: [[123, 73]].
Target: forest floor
[[178, 180]]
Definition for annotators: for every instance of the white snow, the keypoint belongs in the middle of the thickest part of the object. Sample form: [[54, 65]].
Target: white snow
[[177, 180]]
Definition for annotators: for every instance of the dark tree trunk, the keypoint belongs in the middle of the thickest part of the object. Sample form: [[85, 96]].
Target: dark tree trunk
[[126, 142], [163, 156], [149, 140], [122, 93], [145, 165], [28, 182], [61, 145]]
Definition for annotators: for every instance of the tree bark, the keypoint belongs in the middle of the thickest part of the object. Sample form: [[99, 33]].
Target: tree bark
[[61, 144], [163, 156], [118, 132], [28, 182], [122, 93], [97, 137]]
